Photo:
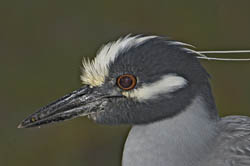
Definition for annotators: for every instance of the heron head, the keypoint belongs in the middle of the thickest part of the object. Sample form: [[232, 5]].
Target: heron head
[[134, 80]]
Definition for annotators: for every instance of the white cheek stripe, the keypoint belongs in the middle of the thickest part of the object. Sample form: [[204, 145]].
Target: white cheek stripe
[[167, 84]]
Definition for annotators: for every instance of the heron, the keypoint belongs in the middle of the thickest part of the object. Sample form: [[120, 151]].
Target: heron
[[158, 86]]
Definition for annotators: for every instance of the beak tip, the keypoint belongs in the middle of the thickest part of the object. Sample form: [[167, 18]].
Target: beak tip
[[20, 126]]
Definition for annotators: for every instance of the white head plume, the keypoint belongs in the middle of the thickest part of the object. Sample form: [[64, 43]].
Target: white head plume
[[95, 71]]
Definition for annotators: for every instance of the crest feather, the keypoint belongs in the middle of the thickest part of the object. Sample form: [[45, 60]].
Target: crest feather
[[94, 72]]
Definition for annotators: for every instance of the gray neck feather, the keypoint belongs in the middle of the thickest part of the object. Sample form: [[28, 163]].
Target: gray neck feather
[[183, 140]]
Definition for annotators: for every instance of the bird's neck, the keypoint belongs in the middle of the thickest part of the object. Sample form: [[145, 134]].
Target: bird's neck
[[183, 140]]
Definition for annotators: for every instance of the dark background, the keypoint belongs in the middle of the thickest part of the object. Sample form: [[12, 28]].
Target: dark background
[[41, 47]]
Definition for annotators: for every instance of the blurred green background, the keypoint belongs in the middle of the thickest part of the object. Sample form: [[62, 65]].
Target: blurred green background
[[41, 47]]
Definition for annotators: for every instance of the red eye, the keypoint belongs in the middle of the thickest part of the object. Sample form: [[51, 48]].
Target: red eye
[[126, 82]]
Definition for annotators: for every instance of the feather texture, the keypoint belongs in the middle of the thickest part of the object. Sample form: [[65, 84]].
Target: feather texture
[[232, 147]]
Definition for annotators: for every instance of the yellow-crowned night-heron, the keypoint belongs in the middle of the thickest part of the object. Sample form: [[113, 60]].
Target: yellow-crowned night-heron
[[158, 86]]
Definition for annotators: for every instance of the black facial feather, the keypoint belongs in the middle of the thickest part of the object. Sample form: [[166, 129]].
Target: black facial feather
[[149, 62]]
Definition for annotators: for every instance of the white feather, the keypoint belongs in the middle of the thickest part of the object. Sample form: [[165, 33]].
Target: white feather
[[94, 72], [177, 43], [224, 52], [223, 59], [167, 84]]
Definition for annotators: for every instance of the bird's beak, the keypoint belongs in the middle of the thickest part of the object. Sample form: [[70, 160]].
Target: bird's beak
[[82, 102]]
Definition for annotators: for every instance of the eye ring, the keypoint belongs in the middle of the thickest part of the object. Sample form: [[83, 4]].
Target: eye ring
[[126, 81]]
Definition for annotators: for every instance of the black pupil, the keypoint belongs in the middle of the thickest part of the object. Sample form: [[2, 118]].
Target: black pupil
[[126, 82]]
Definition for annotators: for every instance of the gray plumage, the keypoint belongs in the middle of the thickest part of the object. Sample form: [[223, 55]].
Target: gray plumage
[[165, 94], [201, 142], [233, 142]]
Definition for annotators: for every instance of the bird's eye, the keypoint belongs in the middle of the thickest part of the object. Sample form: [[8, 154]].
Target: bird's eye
[[126, 82]]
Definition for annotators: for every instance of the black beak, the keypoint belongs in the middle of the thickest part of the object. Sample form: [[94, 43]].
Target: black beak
[[82, 102]]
